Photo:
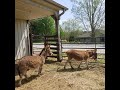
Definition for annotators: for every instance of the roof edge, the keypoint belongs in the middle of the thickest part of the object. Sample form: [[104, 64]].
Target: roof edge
[[56, 4]]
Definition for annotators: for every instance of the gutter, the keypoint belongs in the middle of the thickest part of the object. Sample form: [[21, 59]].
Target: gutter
[[62, 12]]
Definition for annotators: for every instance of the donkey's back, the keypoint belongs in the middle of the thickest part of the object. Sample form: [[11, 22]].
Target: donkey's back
[[77, 54], [30, 62], [27, 63]]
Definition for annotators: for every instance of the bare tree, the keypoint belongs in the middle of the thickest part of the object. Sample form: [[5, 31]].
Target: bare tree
[[70, 27], [91, 13]]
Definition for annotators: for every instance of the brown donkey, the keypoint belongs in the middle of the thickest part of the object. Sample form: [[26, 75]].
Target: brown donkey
[[79, 55], [32, 62]]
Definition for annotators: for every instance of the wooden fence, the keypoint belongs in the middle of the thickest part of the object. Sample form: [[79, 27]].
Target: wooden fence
[[63, 48], [53, 41]]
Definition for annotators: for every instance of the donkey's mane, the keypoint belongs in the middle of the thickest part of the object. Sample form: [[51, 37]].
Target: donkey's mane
[[42, 51]]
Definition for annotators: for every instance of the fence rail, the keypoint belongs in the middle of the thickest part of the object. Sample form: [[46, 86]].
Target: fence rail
[[38, 49], [73, 48], [75, 42]]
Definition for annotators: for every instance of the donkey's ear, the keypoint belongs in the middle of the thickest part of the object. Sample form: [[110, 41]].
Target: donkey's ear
[[48, 45], [45, 45], [95, 50]]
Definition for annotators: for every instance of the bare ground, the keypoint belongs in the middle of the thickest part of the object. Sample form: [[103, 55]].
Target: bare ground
[[54, 77]]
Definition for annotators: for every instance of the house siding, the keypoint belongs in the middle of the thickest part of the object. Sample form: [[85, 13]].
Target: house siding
[[21, 39]]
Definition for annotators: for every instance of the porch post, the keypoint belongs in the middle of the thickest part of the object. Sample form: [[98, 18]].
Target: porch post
[[30, 40], [56, 18]]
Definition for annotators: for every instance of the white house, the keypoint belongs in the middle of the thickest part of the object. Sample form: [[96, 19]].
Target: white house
[[26, 10]]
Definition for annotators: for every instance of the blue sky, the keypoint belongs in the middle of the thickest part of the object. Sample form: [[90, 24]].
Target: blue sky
[[67, 15]]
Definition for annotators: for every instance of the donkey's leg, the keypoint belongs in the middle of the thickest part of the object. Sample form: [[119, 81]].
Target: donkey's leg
[[24, 72], [87, 64], [79, 64], [19, 83], [95, 57], [39, 71], [26, 77], [71, 65], [65, 64]]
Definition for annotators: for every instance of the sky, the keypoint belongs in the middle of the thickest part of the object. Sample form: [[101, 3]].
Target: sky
[[67, 15]]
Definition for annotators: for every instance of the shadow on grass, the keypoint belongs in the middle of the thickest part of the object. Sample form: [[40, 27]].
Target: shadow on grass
[[50, 61], [71, 70], [24, 81], [91, 65]]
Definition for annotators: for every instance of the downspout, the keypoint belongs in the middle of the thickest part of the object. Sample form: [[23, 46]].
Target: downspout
[[62, 12]]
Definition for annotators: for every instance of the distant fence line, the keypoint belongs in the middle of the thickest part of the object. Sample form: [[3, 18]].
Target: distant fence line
[[75, 48], [76, 42], [63, 48], [72, 43]]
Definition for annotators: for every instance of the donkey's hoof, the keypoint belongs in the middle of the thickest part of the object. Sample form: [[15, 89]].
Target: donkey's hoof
[[88, 68], [64, 68], [19, 85], [79, 68], [27, 79], [72, 68], [40, 74]]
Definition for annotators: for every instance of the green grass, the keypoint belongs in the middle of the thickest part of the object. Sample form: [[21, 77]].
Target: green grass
[[102, 61], [101, 58]]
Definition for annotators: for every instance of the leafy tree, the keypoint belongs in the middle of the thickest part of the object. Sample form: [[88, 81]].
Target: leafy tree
[[43, 26], [62, 34], [71, 38]]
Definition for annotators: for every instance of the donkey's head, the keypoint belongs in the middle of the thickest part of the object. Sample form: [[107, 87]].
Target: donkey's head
[[92, 54], [47, 50]]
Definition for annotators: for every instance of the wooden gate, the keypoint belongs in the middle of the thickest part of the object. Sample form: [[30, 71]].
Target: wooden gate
[[53, 41], [54, 45]]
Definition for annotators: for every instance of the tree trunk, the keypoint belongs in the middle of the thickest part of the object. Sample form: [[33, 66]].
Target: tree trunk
[[93, 34]]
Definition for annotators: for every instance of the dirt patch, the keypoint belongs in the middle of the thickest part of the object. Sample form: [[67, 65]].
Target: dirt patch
[[54, 77]]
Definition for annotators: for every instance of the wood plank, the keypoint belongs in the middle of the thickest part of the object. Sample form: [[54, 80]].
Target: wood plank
[[53, 56], [55, 44], [82, 48], [51, 40], [55, 52], [51, 36], [54, 48]]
